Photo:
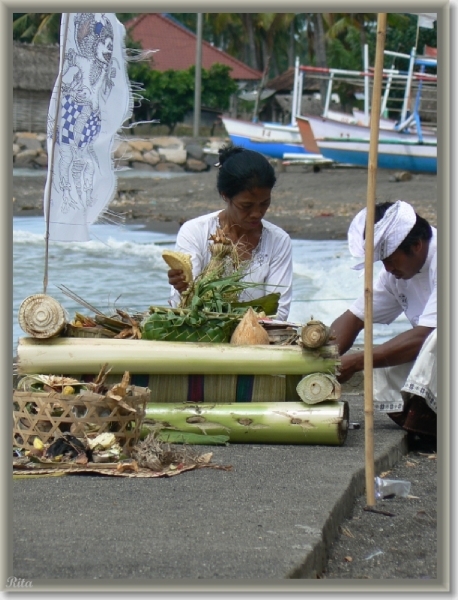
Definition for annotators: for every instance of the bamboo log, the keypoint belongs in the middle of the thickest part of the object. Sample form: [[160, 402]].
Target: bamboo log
[[318, 387], [86, 355], [256, 422], [315, 334]]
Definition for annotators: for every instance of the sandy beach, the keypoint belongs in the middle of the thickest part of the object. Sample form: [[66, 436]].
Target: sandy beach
[[307, 204]]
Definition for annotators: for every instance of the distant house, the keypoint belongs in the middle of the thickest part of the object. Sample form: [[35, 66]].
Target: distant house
[[278, 106], [176, 49], [35, 70]]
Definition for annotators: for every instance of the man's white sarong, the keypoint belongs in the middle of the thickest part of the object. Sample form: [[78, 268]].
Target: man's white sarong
[[394, 385]]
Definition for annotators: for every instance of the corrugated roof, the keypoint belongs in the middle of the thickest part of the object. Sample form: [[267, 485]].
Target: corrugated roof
[[176, 47]]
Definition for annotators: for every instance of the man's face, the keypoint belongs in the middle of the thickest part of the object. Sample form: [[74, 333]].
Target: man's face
[[405, 266]]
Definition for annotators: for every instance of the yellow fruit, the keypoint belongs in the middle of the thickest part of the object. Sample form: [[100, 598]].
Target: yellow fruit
[[179, 260], [68, 390], [38, 444]]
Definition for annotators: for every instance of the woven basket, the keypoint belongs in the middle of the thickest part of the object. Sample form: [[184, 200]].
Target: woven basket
[[49, 415]]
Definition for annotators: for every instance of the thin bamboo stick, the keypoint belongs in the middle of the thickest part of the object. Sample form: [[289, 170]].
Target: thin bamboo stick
[[53, 145], [369, 266], [86, 355]]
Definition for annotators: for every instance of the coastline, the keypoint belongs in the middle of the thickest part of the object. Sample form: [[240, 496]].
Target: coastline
[[307, 204]]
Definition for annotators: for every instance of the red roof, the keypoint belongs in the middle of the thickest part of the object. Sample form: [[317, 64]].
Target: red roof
[[176, 47]]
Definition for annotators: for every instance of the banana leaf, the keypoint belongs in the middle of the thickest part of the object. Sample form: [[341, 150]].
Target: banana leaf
[[172, 436], [268, 303]]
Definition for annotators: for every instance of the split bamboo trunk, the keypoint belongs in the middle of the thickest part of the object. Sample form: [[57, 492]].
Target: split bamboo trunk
[[85, 355], [260, 422]]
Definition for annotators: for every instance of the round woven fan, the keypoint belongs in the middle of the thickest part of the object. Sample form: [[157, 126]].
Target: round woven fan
[[41, 316]]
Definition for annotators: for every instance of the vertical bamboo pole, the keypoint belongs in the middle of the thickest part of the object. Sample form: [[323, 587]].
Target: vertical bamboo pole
[[53, 145], [369, 266], [198, 78]]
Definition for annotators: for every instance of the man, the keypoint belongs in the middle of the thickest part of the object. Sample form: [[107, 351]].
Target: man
[[405, 366]]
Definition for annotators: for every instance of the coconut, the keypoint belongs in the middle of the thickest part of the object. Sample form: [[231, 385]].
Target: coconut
[[250, 332]]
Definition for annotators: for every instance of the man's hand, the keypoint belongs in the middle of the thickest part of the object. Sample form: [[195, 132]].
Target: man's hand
[[176, 279], [401, 349], [350, 364], [345, 329]]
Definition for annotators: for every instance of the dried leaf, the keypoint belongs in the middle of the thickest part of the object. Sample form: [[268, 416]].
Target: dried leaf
[[205, 458], [127, 465], [347, 532], [81, 459], [384, 474]]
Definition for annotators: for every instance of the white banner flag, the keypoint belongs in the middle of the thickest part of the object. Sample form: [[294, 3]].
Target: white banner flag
[[426, 20], [90, 102]]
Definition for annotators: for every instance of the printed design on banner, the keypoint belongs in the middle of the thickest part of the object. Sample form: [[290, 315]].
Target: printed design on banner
[[87, 81], [91, 100]]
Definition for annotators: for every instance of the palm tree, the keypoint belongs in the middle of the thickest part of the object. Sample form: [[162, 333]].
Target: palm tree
[[36, 28]]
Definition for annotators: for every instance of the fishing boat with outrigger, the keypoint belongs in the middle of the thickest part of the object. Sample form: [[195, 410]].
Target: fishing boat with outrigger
[[404, 144]]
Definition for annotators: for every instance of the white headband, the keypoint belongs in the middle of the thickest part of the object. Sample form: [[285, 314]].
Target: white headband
[[389, 232]]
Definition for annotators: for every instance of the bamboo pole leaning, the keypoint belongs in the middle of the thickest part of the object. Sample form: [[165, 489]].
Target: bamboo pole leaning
[[255, 422]]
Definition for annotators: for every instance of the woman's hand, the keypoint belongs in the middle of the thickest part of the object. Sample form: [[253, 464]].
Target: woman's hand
[[176, 279]]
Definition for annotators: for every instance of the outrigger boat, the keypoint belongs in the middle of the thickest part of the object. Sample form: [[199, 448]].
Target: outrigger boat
[[403, 144], [349, 144]]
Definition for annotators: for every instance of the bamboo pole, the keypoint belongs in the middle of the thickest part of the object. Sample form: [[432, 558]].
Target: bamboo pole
[[86, 355], [369, 266], [53, 145]]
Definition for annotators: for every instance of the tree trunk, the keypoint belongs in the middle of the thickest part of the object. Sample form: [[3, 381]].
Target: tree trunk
[[320, 45], [250, 46]]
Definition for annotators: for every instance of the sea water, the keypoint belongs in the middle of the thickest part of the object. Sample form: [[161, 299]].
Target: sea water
[[122, 267]]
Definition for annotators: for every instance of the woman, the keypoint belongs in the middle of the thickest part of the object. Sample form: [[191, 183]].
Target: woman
[[245, 181]]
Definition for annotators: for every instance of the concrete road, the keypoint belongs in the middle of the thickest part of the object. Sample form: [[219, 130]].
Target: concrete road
[[272, 517]]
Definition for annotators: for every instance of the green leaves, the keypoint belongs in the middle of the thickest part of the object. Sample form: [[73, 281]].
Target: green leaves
[[169, 95]]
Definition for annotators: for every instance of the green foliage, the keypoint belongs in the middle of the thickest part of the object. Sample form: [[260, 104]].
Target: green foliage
[[36, 28], [217, 86], [169, 95], [404, 39]]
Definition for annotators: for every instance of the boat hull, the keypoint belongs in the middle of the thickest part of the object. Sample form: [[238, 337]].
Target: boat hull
[[269, 139], [349, 144], [400, 158], [327, 128]]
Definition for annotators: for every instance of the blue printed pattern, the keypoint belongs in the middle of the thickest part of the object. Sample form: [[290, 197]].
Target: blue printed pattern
[[71, 112]]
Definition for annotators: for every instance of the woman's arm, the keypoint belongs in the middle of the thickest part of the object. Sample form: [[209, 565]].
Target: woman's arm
[[280, 275]]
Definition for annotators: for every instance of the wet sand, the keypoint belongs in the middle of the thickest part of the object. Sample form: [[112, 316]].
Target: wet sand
[[307, 204]]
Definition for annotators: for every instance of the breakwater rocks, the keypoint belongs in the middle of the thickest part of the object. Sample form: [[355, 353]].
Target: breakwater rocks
[[162, 153]]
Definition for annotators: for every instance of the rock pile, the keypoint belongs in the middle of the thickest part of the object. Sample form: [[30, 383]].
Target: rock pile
[[164, 153]]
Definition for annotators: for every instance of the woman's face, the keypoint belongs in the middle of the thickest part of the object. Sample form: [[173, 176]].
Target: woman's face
[[247, 208]]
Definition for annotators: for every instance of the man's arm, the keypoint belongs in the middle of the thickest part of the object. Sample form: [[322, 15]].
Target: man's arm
[[345, 329], [401, 349]]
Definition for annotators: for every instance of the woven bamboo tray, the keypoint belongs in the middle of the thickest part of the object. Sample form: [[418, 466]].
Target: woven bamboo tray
[[49, 415]]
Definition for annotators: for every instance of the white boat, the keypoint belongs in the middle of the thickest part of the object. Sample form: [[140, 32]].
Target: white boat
[[349, 144]]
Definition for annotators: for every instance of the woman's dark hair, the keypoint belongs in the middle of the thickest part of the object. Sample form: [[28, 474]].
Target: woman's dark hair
[[420, 231], [241, 169]]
